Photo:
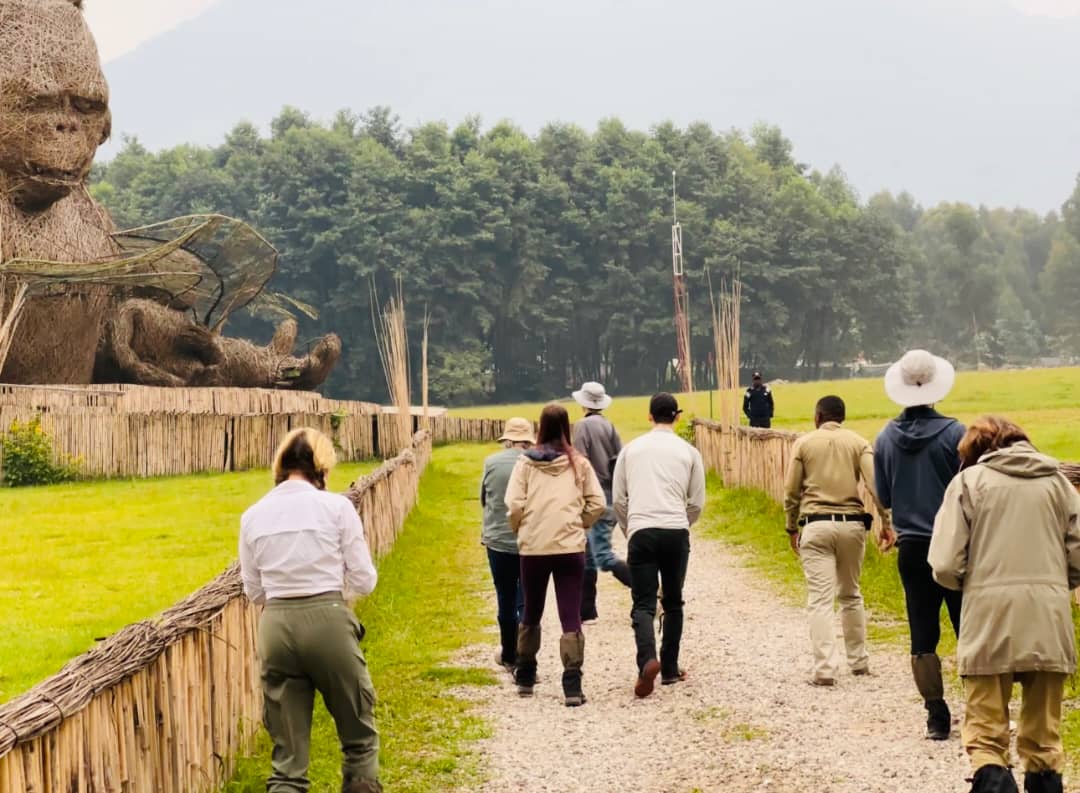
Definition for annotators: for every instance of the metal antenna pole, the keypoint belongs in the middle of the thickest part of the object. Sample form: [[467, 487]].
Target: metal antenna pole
[[682, 303]]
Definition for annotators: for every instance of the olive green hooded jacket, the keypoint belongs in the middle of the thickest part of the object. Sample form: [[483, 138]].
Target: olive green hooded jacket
[[1007, 536]]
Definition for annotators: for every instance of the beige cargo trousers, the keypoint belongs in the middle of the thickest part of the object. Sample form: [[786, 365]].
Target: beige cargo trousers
[[306, 645], [831, 552]]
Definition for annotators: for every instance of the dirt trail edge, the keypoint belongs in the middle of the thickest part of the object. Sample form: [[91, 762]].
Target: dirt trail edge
[[745, 720]]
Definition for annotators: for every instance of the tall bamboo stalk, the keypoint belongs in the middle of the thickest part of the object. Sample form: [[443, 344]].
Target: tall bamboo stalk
[[392, 339], [424, 368]]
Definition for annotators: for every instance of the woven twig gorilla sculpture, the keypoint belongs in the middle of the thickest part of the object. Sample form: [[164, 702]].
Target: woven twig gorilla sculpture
[[54, 113]]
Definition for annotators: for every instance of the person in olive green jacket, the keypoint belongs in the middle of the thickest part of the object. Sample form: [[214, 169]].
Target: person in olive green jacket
[[1007, 537]]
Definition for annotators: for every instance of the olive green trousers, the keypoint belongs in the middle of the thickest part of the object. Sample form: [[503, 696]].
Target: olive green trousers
[[306, 645]]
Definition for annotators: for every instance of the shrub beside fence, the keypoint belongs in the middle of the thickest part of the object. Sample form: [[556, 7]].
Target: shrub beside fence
[[166, 705]]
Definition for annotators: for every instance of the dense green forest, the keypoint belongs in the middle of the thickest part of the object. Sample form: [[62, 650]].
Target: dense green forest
[[545, 260]]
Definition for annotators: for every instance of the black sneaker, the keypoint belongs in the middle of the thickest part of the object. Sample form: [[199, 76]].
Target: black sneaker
[[670, 680]]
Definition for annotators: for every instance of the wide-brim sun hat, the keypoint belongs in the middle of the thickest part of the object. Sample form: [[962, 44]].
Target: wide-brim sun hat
[[919, 378], [592, 396], [518, 430]]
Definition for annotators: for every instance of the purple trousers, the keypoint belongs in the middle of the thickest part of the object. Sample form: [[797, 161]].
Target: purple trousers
[[568, 570]]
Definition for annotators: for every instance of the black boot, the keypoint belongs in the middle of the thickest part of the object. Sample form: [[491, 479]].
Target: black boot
[[994, 779], [572, 650], [926, 669], [507, 656], [361, 786], [1043, 782], [621, 571], [588, 597], [528, 645]]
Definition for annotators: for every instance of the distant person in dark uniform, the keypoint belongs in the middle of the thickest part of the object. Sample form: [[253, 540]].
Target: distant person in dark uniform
[[758, 403]]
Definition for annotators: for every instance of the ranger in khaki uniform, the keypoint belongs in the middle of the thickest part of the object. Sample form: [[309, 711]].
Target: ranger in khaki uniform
[[822, 497]]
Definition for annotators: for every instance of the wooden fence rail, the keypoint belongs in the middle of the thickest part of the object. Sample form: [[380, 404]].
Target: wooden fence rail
[[167, 705]]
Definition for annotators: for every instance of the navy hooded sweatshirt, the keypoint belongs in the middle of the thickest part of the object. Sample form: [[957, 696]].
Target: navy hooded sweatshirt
[[915, 458]]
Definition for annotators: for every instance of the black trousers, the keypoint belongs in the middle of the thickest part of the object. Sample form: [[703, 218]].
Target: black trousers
[[761, 421], [924, 596], [658, 556], [506, 575]]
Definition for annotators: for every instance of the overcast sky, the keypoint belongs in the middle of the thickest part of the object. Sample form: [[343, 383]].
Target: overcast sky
[[121, 25]]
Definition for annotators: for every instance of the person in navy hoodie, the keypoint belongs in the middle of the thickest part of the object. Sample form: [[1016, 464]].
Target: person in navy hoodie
[[915, 458]]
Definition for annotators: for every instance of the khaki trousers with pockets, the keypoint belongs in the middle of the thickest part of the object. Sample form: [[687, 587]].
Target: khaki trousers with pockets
[[832, 557], [985, 731], [306, 645]]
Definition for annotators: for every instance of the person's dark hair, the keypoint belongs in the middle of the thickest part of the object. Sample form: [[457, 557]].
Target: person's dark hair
[[664, 408], [830, 408], [988, 434], [554, 431], [306, 452]]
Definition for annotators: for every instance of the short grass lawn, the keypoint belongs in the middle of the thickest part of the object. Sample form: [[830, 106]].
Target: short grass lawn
[[82, 560], [1046, 402], [430, 603]]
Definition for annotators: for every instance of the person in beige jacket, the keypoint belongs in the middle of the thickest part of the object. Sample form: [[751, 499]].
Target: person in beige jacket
[[1007, 537], [554, 496]]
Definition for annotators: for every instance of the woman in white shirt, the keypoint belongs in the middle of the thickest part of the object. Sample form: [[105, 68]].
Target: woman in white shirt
[[303, 554]]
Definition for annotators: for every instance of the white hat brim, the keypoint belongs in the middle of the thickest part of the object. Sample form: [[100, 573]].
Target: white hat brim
[[927, 394], [585, 401]]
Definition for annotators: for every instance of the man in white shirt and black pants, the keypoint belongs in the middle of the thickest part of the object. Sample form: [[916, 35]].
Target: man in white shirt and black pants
[[658, 492]]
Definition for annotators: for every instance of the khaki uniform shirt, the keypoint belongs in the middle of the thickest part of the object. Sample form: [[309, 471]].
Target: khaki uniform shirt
[[823, 478]]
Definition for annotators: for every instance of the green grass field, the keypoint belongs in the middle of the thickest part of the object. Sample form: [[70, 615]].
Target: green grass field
[[1046, 402], [83, 560]]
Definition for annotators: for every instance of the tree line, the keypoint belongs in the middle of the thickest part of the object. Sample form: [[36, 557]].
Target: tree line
[[545, 260]]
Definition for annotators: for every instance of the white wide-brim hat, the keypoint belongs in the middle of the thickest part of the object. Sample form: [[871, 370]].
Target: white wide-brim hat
[[592, 396], [919, 378]]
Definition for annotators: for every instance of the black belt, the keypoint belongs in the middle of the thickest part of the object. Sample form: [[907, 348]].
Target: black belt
[[863, 518]]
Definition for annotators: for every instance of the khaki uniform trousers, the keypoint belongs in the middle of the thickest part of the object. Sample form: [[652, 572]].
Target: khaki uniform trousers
[[308, 644], [832, 558], [985, 731]]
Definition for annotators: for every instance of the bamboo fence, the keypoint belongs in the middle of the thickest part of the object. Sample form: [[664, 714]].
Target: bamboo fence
[[138, 431], [167, 705]]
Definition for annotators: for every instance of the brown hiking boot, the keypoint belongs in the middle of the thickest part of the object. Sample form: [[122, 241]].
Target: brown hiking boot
[[647, 679]]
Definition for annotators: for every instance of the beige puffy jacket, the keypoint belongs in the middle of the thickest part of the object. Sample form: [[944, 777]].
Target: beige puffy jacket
[[551, 504], [1007, 536]]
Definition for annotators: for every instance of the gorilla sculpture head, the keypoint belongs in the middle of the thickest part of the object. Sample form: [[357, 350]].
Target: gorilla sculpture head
[[54, 101]]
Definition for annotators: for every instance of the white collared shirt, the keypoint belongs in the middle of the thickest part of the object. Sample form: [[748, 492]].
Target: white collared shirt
[[298, 540]]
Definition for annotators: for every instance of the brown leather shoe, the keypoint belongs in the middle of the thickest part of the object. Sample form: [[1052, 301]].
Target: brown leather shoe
[[647, 679], [824, 682]]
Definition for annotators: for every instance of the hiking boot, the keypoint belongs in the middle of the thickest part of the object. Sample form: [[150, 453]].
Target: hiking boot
[[507, 665], [863, 671], [572, 650], [621, 572], [822, 682], [1043, 782], [588, 597], [678, 676], [993, 779], [938, 720], [647, 679], [528, 645], [361, 786]]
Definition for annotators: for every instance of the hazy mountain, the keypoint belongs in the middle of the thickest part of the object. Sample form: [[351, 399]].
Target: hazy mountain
[[949, 99]]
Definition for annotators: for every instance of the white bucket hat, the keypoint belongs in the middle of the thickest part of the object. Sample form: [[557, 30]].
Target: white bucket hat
[[518, 430], [592, 396], [919, 378]]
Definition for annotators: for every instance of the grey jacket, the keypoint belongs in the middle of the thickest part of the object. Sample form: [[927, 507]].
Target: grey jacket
[[497, 534], [596, 438]]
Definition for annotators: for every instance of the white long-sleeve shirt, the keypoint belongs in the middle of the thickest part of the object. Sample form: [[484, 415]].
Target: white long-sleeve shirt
[[659, 483], [298, 540]]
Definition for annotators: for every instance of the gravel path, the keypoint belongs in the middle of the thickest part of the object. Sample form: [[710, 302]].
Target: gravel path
[[746, 720]]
